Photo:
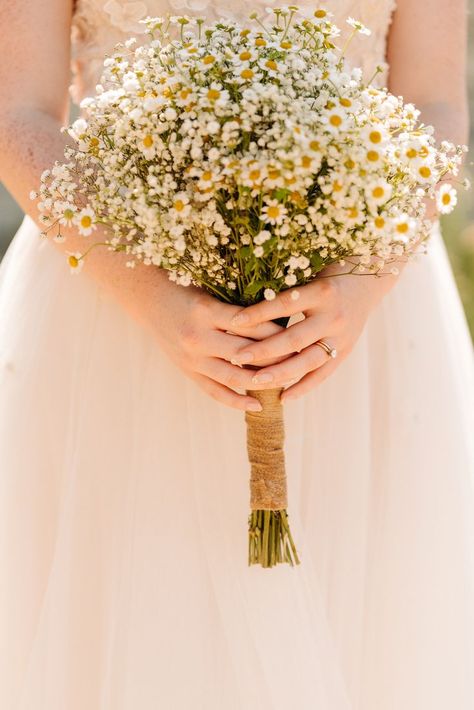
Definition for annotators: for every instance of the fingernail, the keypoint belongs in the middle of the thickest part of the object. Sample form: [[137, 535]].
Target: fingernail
[[240, 358], [239, 319], [254, 407], [264, 377]]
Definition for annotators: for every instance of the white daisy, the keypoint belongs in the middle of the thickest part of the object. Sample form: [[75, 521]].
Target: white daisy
[[273, 212], [358, 26], [75, 261], [85, 221], [446, 198]]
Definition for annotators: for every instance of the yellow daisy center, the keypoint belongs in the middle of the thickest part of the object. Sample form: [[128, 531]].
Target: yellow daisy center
[[314, 145], [372, 155], [148, 141], [306, 161], [402, 227], [375, 136], [411, 153], [425, 171], [345, 102], [246, 74], [446, 199], [271, 64], [350, 164], [273, 211], [73, 261], [335, 120], [260, 42], [179, 205], [320, 14], [213, 94], [378, 192], [379, 222], [207, 175], [208, 59], [86, 221]]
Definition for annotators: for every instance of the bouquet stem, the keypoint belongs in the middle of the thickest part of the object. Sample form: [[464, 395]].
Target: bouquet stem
[[270, 539]]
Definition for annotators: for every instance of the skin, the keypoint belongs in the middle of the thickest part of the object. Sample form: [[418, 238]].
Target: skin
[[196, 331]]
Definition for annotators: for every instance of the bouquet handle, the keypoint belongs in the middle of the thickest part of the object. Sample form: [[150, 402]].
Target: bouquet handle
[[270, 539]]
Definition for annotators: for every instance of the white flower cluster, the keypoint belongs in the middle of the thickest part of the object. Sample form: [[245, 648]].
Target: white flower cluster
[[245, 159]]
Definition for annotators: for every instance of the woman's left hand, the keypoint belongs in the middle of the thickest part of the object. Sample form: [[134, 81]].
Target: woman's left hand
[[336, 306]]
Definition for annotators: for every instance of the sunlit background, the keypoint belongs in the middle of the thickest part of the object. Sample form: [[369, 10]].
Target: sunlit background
[[458, 228]]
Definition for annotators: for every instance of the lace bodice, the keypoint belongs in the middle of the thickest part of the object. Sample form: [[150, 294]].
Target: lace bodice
[[99, 24]]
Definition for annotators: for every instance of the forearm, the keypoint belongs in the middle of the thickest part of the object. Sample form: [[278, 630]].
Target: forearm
[[30, 142], [450, 121]]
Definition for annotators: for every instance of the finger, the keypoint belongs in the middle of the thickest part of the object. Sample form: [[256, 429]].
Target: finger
[[290, 340], [259, 331], [226, 396], [223, 314], [231, 376], [225, 345], [311, 380], [292, 368], [287, 303]]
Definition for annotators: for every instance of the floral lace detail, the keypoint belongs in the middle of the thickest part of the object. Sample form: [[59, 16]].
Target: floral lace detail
[[99, 24]]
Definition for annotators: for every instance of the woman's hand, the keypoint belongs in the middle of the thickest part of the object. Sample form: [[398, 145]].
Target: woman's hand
[[193, 328], [336, 306]]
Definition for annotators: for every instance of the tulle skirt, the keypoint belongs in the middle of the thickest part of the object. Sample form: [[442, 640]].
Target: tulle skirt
[[124, 498]]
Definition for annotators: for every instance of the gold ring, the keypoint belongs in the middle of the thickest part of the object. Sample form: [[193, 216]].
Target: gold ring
[[332, 352]]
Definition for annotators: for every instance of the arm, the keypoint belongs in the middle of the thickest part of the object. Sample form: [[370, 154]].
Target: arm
[[190, 326], [429, 69]]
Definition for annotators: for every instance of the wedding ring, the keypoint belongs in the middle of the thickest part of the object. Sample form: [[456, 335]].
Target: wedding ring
[[332, 352]]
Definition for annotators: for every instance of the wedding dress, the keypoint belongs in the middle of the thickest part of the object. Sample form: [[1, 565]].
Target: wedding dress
[[124, 582]]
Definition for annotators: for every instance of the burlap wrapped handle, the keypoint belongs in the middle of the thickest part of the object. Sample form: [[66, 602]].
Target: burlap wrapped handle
[[265, 441], [270, 539]]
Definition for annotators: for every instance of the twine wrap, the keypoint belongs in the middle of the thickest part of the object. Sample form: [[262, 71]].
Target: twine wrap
[[265, 439]]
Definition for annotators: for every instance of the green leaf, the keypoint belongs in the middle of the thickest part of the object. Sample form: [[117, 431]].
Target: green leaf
[[316, 261], [281, 193], [253, 288]]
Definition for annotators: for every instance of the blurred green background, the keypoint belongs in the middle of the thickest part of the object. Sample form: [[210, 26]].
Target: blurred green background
[[458, 228]]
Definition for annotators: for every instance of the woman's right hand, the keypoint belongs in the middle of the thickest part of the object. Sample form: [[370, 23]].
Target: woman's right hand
[[193, 328]]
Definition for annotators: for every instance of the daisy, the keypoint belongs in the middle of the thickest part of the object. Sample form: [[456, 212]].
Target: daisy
[[85, 221], [378, 192], [358, 26], [446, 198], [273, 212], [75, 261], [69, 212], [403, 227]]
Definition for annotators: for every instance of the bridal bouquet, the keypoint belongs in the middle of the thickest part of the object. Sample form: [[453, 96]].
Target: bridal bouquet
[[245, 159]]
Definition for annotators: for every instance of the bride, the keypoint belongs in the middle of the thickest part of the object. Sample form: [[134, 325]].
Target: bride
[[123, 476]]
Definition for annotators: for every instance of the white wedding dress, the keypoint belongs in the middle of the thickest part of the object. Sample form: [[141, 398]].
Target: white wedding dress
[[124, 493]]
